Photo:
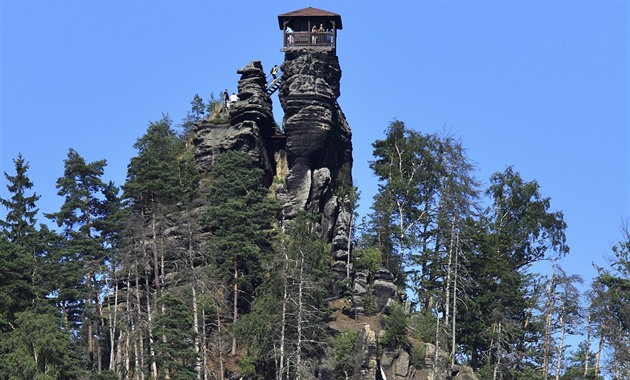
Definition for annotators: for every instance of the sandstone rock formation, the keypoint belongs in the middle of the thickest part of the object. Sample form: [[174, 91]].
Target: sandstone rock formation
[[365, 361], [248, 127], [308, 166], [318, 144], [311, 158]]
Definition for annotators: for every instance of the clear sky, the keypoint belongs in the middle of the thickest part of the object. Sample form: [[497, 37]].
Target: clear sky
[[540, 85]]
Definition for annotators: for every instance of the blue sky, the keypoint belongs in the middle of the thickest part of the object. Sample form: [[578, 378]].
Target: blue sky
[[540, 85]]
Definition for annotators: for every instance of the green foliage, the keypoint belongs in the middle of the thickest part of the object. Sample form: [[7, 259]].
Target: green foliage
[[425, 187], [396, 324], [369, 303], [523, 229], [161, 173], [343, 352], [423, 326], [196, 113], [259, 329], [214, 105], [343, 288], [174, 337], [16, 290], [240, 216], [248, 369], [294, 290], [37, 348], [610, 304], [19, 222], [418, 356], [367, 259], [343, 186], [81, 255], [516, 231]]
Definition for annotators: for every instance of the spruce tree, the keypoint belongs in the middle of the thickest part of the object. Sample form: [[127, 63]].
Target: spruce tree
[[19, 256], [240, 216], [16, 289], [37, 348], [516, 231], [612, 289], [174, 338], [19, 223], [161, 181]]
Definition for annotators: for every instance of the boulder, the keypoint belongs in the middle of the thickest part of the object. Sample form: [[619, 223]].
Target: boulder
[[365, 360], [465, 373], [395, 363], [383, 292]]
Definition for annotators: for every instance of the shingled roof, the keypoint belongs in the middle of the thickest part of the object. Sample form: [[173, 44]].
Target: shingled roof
[[310, 12]]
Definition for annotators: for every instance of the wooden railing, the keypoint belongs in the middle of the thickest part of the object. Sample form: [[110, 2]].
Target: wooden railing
[[306, 39]]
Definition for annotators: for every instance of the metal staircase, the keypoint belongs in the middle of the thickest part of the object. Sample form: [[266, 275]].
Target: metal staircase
[[275, 83]]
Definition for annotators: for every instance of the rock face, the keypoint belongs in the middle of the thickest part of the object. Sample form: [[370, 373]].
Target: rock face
[[311, 158], [248, 127], [318, 144], [365, 360]]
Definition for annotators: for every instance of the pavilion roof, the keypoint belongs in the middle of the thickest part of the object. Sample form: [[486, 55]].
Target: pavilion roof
[[310, 12]]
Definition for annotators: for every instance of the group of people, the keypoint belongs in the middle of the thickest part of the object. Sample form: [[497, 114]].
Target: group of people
[[317, 36], [228, 100]]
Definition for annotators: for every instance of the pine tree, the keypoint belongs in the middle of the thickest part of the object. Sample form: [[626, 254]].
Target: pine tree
[[426, 191], [83, 255], [195, 114]]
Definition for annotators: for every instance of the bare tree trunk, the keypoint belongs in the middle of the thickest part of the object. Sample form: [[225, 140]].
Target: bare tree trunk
[[560, 350], [587, 354], [454, 319], [129, 324], [119, 357], [598, 356], [88, 321], [495, 372], [348, 260], [235, 310], [219, 300], [156, 258], [139, 338], [437, 340], [112, 320], [549, 310], [285, 298], [138, 369], [298, 362], [196, 328], [154, 370], [204, 343]]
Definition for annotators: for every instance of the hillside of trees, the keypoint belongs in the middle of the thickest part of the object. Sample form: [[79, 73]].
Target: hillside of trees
[[179, 275]]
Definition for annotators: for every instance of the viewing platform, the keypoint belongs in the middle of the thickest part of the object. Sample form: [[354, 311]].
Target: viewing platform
[[320, 40], [309, 28]]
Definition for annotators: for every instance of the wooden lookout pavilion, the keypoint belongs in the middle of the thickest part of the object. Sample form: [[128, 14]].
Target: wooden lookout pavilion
[[309, 28]]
